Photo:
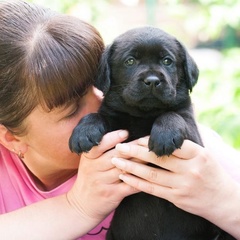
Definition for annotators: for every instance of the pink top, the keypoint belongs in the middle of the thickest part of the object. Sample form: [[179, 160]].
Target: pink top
[[18, 190]]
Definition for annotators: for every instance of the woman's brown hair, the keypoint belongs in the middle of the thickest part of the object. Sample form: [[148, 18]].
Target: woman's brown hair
[[45, 58]]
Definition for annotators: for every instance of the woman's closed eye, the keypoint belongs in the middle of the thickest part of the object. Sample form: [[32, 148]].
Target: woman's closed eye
[[74, 111]]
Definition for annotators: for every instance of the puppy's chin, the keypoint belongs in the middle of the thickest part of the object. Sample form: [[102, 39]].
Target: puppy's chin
[[148, 109], [148, 105], [150, 102]]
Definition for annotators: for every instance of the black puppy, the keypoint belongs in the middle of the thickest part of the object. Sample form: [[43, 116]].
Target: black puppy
[[146, 76]]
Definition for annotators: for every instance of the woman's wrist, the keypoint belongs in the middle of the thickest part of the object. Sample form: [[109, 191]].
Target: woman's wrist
[[84, 211], [225, 212]]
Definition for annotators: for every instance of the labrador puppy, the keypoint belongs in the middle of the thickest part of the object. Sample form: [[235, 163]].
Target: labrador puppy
[[146, 76]]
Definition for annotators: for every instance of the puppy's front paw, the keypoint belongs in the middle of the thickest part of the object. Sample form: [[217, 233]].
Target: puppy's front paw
[[87, 133], [165, 142]]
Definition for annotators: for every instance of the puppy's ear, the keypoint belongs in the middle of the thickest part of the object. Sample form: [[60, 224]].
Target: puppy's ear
[[103, 78], [190, 68]]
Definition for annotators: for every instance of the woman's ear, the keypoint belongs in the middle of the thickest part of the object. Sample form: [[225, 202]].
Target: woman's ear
[[10, 141]]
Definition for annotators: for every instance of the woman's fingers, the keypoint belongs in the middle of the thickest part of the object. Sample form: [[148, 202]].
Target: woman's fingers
[[142, 153], [109, 141], [188, 150], [99, 157], [145, 186], [143, 141], [151, 174], [136, 151]]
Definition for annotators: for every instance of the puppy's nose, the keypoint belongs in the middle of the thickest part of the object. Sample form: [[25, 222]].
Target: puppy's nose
[[152, 81]]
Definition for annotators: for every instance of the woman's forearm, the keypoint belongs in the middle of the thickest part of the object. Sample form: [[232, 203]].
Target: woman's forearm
[[54, 218], [226, 212]]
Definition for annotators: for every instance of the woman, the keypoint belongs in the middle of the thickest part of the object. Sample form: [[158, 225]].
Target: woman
[[48, 62]]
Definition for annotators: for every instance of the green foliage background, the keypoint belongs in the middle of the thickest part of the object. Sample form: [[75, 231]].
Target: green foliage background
[[217, 95]]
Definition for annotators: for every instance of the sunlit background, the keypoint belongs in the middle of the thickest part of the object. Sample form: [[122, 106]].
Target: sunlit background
[[209, 29]]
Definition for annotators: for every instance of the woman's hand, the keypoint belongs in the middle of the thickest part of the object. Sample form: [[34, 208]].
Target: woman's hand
[[187, 178], [98, 189], [191, 178]]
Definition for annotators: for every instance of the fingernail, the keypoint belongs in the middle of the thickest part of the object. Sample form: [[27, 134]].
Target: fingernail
[[123, 134], [118, 163], [124, 148], [143, 141], [122, 177]]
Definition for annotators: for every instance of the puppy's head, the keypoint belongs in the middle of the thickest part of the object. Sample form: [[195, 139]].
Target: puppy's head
[[147, 69]]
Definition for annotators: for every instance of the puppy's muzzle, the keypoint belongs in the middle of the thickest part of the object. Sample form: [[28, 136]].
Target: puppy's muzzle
[[152, 81]]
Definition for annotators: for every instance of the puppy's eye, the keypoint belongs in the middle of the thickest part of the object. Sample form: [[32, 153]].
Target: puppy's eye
[[130, 62], [167, 61]]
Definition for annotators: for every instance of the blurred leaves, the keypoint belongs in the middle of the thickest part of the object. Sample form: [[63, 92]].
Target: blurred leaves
[[218, 97], [88, 10]]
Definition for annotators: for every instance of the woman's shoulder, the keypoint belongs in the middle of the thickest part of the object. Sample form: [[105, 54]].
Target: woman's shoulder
[[17, 185]]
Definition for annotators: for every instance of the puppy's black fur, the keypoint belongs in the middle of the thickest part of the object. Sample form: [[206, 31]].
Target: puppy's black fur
[[146, 76]]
